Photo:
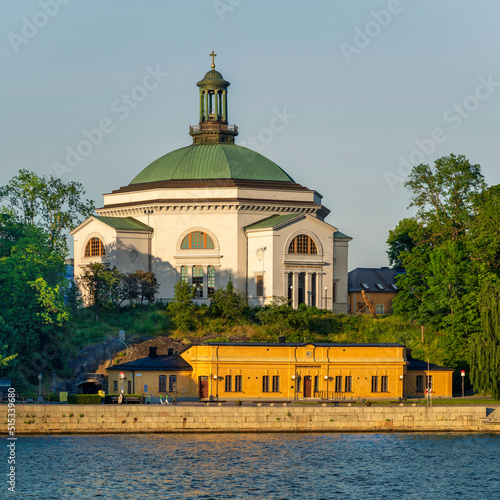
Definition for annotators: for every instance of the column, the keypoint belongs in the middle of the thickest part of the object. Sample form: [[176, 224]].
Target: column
[[216, 99], [206, 105], [201, 106], [205, 282], [285, 284], [224, 92], [295, 294], [320, 296], [308, 289]]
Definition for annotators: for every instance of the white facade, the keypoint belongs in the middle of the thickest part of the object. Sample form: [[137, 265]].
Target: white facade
[[240, 252]]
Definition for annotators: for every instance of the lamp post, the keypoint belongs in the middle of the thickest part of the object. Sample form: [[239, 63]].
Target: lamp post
[[216, 380], [327, 378], [326, 297], [296, 379], [148, 212], [40, 387]]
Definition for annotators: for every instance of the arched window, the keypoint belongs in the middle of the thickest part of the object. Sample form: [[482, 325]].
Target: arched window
[[197, 239], [94, 248], [303, 244]]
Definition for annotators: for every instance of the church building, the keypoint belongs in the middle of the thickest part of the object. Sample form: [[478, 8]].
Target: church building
[[214, 211]]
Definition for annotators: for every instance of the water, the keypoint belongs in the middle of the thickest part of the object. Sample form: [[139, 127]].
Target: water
[[258, 466]]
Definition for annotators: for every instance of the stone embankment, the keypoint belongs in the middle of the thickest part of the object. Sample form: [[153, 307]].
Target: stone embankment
[[71, 419]]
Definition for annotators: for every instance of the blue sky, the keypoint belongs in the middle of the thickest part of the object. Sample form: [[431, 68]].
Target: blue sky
[[369, 87]]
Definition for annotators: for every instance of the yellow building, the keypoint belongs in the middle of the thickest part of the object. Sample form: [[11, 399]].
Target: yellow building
[[281, 372]]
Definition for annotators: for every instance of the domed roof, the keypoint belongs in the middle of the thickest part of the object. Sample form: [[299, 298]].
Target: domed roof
[[213, 77], [212, 161]]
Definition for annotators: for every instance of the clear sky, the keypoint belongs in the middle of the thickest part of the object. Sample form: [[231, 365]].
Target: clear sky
[[363, 88]]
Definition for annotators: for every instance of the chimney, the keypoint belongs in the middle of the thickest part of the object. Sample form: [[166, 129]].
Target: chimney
[[170, 352], [282, 339], [152, 352], [408, 354]]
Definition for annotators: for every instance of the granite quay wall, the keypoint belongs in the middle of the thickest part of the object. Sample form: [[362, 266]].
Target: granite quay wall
[[70, 419]]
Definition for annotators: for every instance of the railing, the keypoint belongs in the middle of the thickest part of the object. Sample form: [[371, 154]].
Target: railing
[[212, 126]]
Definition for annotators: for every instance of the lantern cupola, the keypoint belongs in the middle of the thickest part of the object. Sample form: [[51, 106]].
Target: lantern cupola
[[213, 127]]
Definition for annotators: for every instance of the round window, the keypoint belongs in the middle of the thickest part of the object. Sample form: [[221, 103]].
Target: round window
[[133, 256], [309, 354]]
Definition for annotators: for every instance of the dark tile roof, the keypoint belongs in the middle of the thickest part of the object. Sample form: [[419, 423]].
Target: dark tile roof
[[157, 363], [372, 277], [299, 344], [417, 364]]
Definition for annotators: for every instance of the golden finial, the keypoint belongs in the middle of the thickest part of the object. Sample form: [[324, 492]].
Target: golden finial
[[213, 55]]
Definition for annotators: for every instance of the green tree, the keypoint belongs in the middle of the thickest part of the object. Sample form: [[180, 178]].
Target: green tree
[[440, 285], [46, 202], [485, 348], [182, 307], [147, 286], [32, 305], [228, 303], [280, 318], [95, 281]]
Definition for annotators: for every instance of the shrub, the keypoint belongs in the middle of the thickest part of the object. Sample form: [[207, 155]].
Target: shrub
[[84, 399]]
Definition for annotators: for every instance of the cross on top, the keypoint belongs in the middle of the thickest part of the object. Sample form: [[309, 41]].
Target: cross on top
[[213, 55]]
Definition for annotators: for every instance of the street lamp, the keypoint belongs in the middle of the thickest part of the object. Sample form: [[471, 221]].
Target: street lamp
[[148, 213], [296, 379], [326, 297], [40, 388]]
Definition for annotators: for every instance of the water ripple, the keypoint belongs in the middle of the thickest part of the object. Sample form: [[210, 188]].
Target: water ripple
[[259, 466]]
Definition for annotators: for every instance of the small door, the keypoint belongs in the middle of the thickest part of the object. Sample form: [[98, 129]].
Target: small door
[[307, 387], [203, 387]]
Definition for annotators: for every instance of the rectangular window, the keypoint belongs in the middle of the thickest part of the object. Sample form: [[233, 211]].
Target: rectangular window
[[129, 387], [115, 386], [237, 383], [172, 383], [162, 383], [429, 382], [198, 281], [265, 383], [420, 383], [384, 384], [338, 384], [298, 383], [184, 274], [229, 383], [316, 383], [375, 384], [210, 280], [276, 383], [259, 280], [348, 384], [379, 308]]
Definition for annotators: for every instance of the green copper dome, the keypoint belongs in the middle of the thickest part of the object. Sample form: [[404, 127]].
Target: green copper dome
[[212, 161]]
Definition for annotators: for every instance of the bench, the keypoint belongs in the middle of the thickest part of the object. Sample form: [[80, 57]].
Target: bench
[[127, 399]]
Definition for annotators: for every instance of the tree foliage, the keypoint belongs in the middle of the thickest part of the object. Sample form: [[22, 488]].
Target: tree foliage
[[444, 248], [182, 307], [485, 348], [228, 303], [46, 202], [31, 302], [102, 286]]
